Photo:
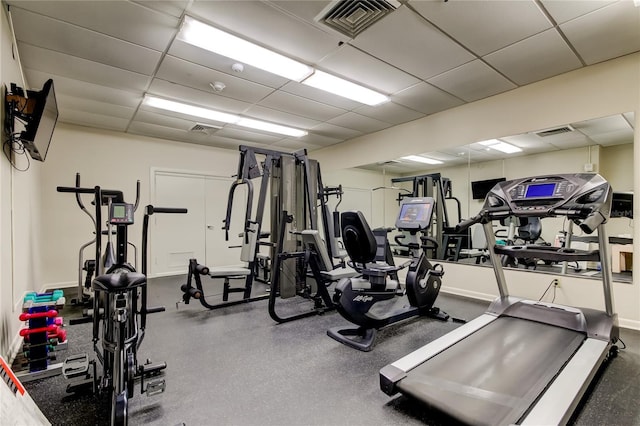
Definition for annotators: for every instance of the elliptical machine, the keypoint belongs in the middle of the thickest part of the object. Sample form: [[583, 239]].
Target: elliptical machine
[[119, 313], [376, 298]]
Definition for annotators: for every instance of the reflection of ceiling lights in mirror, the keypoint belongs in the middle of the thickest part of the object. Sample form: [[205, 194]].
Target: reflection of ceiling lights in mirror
[[217, 41], [223, 117], [420, 159], [500, 146]]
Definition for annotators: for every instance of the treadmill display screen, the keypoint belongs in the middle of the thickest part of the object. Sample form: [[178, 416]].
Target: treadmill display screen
[[540, 190]]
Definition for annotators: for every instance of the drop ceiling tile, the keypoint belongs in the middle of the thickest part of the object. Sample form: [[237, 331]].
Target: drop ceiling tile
[[209, 99], [67, 102], [472, 81], [389, 112], [165, 120], [172, 134], [333, 131], [596, 40], [291, 145], [318, 140], [171, 7], [82, 89], [484, 26], [426, 98], [299, 106], [617, 137], [123, 20], [234, 132], [44, 60], [536, 58], [65, 38], [351, 120], [99, 121], [602, 125], [427, 52], [276, 116], [198, 77], [318, 95], [359, 67], [269, 26], [630, 117], [565, 10], [186, 51]]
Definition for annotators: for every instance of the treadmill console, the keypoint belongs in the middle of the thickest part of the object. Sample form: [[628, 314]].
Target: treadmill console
[[578, 196], [415, 214]]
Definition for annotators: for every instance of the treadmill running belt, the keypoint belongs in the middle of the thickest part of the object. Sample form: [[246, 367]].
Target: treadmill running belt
[[494, 375]]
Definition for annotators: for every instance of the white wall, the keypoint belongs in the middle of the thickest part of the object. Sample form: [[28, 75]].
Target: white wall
[[112, 160], [20, 232]]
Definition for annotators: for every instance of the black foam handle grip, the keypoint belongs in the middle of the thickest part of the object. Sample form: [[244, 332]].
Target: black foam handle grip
[[465, 224], [169, 210], [75, 190]]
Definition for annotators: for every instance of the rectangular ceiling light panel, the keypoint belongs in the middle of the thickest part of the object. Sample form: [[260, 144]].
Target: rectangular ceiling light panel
[[498, 145], [214, 40], [341, 87], [223, 117], [421, 159]]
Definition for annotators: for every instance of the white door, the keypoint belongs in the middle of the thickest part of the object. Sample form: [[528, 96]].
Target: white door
[[176, 238]]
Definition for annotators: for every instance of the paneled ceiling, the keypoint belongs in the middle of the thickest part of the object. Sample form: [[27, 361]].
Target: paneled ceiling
[[427, 56]]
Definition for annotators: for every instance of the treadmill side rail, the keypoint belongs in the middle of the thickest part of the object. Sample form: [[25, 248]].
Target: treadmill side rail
[[560, 399], [422, 354]]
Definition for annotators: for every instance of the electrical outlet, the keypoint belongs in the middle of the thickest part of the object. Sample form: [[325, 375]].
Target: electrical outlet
[[556, 283]]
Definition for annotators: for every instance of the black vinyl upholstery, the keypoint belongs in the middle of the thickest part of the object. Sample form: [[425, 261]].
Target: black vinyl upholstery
[[359, 240]]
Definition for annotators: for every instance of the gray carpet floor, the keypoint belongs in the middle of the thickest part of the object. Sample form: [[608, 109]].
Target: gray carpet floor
[[236, 366]]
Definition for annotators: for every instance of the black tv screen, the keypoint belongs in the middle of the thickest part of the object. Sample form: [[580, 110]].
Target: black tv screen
[[480, 188], [39, 128], [622, 204]]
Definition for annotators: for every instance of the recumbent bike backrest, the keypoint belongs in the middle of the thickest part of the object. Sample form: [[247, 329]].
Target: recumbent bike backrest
[[359, 240]]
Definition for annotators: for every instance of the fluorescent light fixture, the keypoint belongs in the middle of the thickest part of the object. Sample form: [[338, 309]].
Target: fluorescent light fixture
[[214, 40], [338, 86], [500, 146], [270, 127], [186, 109], [421, 159], [224, 117]]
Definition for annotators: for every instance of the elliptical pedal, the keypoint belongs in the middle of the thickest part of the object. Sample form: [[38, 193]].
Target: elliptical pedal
[[155, 387], [75, 366]]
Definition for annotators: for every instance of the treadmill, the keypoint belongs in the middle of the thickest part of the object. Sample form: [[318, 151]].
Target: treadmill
[[522, 361]]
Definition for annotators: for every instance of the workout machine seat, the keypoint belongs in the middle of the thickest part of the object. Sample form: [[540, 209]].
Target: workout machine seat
[[312, 241], [119, 281]]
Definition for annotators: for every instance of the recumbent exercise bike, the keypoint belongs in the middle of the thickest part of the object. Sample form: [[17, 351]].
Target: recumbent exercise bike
[[376, 298], [119, 312]]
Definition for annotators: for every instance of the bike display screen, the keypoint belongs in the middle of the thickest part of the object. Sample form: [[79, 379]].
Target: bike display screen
[[540, 190], [415, 214]]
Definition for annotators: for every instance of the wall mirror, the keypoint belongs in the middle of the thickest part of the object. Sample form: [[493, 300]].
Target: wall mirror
[[603, 145]]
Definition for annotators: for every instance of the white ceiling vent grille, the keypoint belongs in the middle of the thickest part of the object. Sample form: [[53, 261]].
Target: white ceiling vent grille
[[207, 129], [351, 17], [555, 131]]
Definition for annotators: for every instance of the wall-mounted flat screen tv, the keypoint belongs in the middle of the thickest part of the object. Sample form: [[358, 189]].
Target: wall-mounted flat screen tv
[[39, 113], [480, 188]]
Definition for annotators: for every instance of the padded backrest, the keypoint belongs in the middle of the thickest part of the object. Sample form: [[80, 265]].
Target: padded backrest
[[530, 228], [311, 240], [337, 246], [358, 238]]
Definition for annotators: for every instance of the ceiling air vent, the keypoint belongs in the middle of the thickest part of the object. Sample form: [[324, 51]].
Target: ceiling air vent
[[207, 129], [556, 131], [351, 17]]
